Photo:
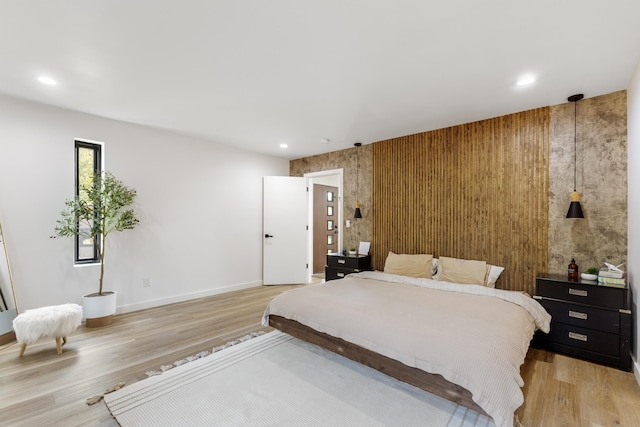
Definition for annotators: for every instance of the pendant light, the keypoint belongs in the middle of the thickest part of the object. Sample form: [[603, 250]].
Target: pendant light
[[575, 210], [357, 213]]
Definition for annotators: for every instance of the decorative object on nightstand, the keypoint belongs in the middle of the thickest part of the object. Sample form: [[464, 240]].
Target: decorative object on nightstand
[[590, 274], [364, 247], [572, 271], [590, 321], [338, 266], [612, 276]]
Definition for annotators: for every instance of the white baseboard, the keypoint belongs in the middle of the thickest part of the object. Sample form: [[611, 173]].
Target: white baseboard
[[184, 297], [636, 369]]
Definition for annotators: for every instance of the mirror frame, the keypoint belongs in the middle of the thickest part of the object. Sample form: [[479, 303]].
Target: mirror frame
[[10, 336]]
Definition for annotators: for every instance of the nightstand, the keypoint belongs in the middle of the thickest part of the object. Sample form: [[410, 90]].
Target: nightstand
[[588, 320], [338, 266]]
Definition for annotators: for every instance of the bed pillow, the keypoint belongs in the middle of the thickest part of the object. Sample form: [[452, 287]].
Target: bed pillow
[[435, 269], [418, 265], [493, 272], [463, 271]]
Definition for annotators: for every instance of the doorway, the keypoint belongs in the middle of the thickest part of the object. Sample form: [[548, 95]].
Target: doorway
[[325, 217], [325, 225]]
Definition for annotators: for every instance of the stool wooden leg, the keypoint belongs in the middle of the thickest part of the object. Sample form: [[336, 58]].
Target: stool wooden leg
[[64, 340], [59, 344], [22, 349]]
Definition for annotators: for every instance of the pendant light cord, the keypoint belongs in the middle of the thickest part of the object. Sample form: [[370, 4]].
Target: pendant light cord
[[575, 99], [357, 145], [575, 143]]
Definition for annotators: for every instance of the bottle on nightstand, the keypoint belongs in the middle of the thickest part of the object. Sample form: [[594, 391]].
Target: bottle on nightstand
[[573, 270]]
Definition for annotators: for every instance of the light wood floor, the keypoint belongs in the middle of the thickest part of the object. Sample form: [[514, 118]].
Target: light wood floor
[[46, 389]]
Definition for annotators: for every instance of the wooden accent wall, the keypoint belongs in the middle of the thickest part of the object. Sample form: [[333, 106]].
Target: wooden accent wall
[[474, 191]]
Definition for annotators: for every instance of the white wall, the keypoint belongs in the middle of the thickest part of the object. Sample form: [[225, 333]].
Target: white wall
[[633, 149], [199, 203]]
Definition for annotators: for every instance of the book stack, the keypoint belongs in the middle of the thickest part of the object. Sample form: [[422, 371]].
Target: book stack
[[612, 278]]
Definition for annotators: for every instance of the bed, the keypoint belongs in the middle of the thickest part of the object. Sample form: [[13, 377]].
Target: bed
[[464, 342]]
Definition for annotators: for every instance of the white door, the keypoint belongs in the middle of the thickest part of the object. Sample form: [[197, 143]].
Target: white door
[[285, 235]]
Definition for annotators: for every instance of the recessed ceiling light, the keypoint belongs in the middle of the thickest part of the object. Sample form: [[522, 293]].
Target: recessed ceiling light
[[526, 80], [283, 145], [47, 80]]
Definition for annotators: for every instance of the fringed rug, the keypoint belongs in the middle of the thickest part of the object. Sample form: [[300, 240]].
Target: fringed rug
[[278, 380], [204, 353]]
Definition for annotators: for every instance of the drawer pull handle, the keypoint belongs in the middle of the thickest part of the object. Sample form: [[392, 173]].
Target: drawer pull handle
[[340, 274], [578, 292], [579, 337], [342, 261], [578, 315]]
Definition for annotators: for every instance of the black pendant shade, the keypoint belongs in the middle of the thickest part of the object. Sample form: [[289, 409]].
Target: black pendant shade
[[575, 210], [357, 213]]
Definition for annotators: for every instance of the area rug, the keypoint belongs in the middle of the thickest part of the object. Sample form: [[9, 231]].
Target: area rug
[[278, 380]]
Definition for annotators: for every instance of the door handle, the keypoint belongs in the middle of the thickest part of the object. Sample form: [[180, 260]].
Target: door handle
[[268, 235]]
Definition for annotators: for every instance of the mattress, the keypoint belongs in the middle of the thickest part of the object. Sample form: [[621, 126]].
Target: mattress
[[474, 336]]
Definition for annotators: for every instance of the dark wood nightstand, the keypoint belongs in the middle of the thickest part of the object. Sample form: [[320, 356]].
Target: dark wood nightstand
[[588, 320], [339, 266]]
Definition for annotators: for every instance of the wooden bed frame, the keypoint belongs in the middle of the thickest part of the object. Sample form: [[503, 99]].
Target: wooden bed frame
[[432, 383]]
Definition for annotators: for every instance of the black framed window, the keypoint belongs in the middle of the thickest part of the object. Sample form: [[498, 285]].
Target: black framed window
[[88, 162]]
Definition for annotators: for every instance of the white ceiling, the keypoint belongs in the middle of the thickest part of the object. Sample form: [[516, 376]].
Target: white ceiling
[[257, 73]]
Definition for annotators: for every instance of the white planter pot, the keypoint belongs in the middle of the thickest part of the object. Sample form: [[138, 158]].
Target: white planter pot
[[101, 307]]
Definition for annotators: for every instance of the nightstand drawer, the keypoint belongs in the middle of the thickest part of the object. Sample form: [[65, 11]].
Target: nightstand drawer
[[342, 261], [583, 294], [583, 316], [360, 262], [332, 273], [586, 339]]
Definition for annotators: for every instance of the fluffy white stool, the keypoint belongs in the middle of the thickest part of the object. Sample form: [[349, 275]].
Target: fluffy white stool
[[56, 321]]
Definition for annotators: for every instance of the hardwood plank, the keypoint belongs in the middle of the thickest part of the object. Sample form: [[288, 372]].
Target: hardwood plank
[[43, 388], [563, 391]]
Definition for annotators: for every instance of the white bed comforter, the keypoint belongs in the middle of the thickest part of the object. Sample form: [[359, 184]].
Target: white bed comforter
[[474, 336]]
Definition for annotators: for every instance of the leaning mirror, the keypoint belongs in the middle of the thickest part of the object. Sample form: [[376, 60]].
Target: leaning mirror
[[8, 306]]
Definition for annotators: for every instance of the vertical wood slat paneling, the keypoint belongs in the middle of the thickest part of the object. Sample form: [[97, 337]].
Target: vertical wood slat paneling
[[474, 191]]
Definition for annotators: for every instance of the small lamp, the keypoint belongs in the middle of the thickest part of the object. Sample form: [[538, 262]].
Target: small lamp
[[575, 210]]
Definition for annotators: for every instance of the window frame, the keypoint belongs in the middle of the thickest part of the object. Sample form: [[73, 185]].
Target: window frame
[[98, 162]]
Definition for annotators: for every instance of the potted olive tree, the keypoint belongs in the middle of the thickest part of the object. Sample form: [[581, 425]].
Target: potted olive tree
[[102, 207]]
